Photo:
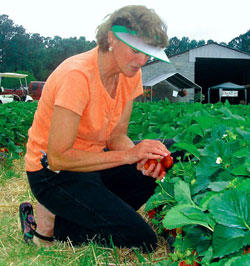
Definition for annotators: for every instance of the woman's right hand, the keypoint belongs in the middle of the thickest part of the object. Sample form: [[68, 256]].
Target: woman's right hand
[[146, 149]]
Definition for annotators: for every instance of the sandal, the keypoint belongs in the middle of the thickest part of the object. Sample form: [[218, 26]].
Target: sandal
[[29, 225]]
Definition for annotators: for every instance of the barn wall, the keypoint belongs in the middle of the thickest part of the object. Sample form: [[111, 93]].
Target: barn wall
[[183, 65]]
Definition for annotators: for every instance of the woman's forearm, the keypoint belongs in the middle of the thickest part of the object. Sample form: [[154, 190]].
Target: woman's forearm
[[82, 161], [120, 143]]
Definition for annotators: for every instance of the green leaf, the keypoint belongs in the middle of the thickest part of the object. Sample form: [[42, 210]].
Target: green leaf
[[241, 170], [175, 218], [194, 213], [182, 193], [210, 195], [188, 147], [244, 186], [197, 237], [207, 256], [227, 240], [232, 209], [218, 186], [242, 153], [243, 260], [207, 166], [196, 129], [205, 121], [200, 184], [157, 200], [151, 135]]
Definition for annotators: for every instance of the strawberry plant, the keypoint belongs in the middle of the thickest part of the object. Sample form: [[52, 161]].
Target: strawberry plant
[[203, 205], [208, 195], [15, 120]]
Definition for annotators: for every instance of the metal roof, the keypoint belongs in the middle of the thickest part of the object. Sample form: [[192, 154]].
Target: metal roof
[[228, 86], [156, 72], [12, 75], [206, 47], [175, 79]]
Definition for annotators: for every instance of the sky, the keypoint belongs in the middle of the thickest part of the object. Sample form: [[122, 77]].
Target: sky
[[219, 20]]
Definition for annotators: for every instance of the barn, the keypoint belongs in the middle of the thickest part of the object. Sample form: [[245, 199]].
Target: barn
[[205, 66]]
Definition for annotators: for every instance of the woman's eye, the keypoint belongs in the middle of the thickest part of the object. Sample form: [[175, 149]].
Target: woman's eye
[[135, 51]]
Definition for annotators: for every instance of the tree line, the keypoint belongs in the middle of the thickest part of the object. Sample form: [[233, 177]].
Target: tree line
[[39, 56]]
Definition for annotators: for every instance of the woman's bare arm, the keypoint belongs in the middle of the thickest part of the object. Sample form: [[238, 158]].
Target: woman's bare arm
[[62, 156]]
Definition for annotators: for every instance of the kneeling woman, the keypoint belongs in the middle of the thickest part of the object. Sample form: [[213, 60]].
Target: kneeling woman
[[85, 192]]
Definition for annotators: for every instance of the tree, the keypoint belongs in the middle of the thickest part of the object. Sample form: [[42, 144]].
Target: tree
[[40, 55], [210, 41], [9, 35], [34, 53], [241, 42], [177, 46]]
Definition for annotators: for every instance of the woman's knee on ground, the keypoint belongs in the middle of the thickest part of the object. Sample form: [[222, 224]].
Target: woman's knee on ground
[[141, 236]]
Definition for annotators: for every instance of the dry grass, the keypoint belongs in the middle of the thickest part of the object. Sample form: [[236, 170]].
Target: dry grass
[[13, 250]]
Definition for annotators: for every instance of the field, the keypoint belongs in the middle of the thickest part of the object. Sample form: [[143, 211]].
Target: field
[[203, 205]]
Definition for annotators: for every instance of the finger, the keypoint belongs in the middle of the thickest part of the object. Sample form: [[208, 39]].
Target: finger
[[150, 169], [159, 149], [156, 171], [161, 176], [141, 164], [151, 155]]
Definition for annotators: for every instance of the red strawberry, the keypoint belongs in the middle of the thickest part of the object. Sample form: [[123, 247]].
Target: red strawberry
[[149, 162], [162, 171], [183, 263], [151, 213], [167, 161]]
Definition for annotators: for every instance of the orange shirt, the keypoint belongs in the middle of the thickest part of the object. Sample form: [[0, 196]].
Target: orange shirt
[[76, 85]]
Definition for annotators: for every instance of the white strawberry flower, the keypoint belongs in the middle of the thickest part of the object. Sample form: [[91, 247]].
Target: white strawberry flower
[[218, 160]]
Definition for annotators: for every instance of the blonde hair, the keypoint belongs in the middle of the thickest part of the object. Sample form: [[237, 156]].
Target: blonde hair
[[144, 21]]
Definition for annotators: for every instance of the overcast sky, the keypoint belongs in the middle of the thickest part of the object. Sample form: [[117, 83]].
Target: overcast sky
[[219, 20]]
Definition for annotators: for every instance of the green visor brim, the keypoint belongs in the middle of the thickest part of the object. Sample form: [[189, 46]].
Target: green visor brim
[[129, 37]]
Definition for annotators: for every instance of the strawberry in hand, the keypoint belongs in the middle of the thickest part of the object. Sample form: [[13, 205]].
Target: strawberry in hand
[[149, 162], [167, 161]]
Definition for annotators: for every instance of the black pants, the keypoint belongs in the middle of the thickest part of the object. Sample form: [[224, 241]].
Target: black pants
[[97, 205]]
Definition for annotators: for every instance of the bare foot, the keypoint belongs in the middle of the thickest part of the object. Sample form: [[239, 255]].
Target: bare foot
[[42, 243], [45, 225]]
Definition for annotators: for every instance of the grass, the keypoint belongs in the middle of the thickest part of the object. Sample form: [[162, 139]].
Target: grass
[[14, 189]]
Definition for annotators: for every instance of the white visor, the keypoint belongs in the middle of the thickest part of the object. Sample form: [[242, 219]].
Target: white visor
[[129, 37]]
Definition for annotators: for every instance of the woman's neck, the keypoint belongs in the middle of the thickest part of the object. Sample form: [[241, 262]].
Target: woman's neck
[[108, 71]]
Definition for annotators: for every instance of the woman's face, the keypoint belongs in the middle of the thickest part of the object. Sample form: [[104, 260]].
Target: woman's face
[[128, 60]]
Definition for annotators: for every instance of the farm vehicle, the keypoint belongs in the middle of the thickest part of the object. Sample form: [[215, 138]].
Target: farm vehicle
[[19, 91]]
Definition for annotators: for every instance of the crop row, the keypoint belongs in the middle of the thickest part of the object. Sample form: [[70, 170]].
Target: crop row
[[15, 120], [203, 205]]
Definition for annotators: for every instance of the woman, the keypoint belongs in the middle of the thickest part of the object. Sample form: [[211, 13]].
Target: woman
[[86, 192]]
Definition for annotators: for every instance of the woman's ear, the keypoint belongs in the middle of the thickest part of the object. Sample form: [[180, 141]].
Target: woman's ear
[[111, 39]]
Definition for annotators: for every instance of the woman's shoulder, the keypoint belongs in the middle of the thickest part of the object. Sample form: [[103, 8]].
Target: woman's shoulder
[[83, 62]]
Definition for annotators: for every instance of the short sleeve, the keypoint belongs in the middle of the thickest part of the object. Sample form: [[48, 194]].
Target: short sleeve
[[73, 92]]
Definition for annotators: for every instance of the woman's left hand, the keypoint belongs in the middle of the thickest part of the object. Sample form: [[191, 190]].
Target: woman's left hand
[[154, 170]]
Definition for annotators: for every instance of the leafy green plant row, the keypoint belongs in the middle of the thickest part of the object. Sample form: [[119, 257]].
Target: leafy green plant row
[[15, 120], [208, 194]]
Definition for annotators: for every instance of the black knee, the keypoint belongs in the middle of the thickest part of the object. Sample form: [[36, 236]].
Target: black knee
[[142, 237], [149, 243]]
